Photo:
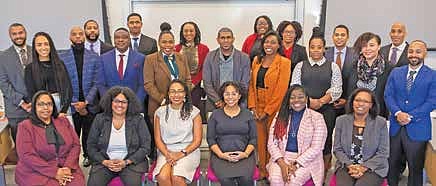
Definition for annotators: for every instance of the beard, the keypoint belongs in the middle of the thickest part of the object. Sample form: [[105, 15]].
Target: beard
[[88, 37], [19, 44], [414, 61]]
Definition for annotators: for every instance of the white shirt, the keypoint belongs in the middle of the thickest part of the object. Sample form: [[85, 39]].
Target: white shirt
[[132, 41], [96, 46], [163, 56], [343, 54], [416, 70], [117, 147], [125, 58], [399, 51], [335, 84], [18, 49]]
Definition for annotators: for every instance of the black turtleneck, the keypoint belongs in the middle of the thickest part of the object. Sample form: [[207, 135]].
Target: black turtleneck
[[78, 51]]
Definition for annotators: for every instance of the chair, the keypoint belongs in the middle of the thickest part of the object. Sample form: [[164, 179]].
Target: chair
[[211, 177], [197, 174], [333, 181]]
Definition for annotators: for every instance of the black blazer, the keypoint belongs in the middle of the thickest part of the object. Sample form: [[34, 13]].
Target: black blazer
[[347, 67], [298, 54], [403, 57], [351, 85], [104, 47], [147, 45], [137, 139]]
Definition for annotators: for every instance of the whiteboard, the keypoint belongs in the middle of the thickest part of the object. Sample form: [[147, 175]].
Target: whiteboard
[[54, 17], [377, 16], [210, 16]]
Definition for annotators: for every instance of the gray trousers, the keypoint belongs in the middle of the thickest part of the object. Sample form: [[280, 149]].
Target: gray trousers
[[368, 179]]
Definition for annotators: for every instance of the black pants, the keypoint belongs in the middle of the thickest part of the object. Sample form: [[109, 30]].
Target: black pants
[[82, 124], [103, 176], [329, 114], [369, 178], [237, 181], [149, 121], [197, 93], [13, 122], [414, 151]]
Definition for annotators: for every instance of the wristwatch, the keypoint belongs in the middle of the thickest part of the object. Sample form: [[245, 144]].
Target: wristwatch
[[126, 162], [184, 152]]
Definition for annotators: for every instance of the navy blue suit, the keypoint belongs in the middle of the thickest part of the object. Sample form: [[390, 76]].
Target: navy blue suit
[[133, 75], [409, 141]]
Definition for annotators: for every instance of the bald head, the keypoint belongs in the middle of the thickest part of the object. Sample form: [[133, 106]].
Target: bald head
[[398, 33], [77, 35]]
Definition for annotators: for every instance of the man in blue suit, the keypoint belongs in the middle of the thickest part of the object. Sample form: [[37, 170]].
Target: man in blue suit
[[82, 65], [410, 95], [122, 66]]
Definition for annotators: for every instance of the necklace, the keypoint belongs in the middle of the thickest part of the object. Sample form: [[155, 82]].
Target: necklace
[[232, 112]]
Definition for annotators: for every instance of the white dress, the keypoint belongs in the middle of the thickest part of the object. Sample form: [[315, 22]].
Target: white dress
[[177, 134]]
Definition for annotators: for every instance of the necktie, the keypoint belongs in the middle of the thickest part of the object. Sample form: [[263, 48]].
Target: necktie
[[91, 47], [121, 66], [394, 56], [135, 44], [338, 59], [410, 80], [23, 56]]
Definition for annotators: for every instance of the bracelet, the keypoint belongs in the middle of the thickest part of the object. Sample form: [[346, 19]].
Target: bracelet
[[185, 153]]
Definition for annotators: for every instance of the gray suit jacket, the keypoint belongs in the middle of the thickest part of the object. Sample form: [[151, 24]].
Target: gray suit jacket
[[403, 58], [211, 74], [105, 47], [12, 82], [375, 143], [147, 45], [347, 67]]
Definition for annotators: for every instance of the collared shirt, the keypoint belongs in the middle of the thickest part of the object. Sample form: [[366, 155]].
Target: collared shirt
[[96, 46], [399, 51], [343, 54], [226, 67], [416, 70], [163, 56], [18, 49], [132, 41], [125, 58], [336, 82]]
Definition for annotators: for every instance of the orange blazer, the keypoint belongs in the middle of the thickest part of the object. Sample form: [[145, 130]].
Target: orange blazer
[[157, 78], [276, 82]]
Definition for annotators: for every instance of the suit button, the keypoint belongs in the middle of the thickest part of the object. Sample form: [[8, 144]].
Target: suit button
[[407, 102]]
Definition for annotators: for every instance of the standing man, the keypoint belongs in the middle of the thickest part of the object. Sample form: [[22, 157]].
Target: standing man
[[122, 66], [82, 66], [140, 42], [12, 63], [410, 95], [344, 57], [92, 42], [396, 52], [226, 63]]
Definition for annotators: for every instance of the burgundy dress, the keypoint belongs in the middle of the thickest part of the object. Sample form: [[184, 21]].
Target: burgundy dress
[[37, 163]]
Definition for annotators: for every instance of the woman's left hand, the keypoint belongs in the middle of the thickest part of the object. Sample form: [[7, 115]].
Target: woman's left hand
[[240, 155]]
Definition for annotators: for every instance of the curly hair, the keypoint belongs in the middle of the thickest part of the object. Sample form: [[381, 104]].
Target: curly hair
[[134, 106], [296, 25], [187, 107], [239, 89]]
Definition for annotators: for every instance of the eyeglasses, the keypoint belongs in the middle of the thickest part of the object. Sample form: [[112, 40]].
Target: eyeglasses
[[43, 104], [174, 92], [362, 101], [233, 94], [288, 32], [123, 102]]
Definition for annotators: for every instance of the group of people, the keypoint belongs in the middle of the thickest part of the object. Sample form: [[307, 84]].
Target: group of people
[[271, 105]]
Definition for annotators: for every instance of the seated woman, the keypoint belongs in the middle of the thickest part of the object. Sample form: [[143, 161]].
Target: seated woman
[[48, 147], [177, 133], [361, 142], [119, 141], [295, 142], [231, 135]]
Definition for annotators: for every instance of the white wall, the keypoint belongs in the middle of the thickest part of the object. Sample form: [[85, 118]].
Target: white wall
[[53, 16]]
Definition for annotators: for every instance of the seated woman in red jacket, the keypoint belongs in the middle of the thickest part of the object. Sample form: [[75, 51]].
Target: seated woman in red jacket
[[48, 147]]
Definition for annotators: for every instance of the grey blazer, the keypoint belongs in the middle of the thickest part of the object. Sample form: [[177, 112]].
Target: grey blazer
[[12, 82], [138, 141], [147, 45], [375, 143], [403, 57], [211, 75]]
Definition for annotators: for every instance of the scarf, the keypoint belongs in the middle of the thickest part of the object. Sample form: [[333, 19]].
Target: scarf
[[366, 73]]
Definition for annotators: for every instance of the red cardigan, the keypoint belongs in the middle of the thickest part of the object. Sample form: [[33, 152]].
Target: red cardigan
[[202, 52], [248, 43]]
